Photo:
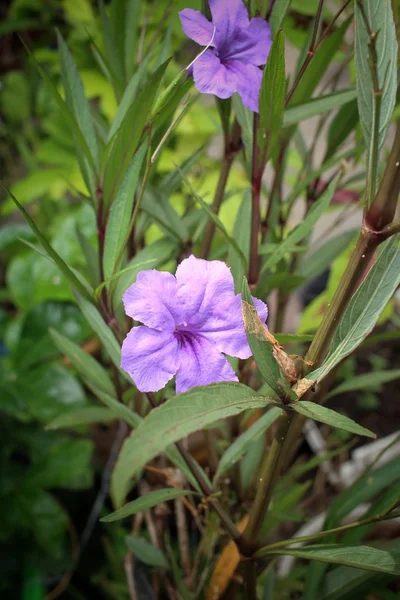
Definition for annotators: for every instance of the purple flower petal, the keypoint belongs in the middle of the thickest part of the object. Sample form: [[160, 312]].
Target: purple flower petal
[[201, 363], [151, 300], [203, 287], [212, 77], [248, 82], [228, 16], [225, 328], [196, 26], [251, 45], [150, 357]]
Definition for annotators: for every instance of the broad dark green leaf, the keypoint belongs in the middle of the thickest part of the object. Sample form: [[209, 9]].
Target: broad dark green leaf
[[146, 552], [380, 18], [272, 97], [261, 347], [242, 444], [121, 213], [315, 263], [364, 308], [362, 557], [330, 417], [144, 502], [175, 419], [305, 227], [50, 252], [124, 144], [82, 416], [317, 106], [365, 382], [218, 223], [278, 14], [85, 364]]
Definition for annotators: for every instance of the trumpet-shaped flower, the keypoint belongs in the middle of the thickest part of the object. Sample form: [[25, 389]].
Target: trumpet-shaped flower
[[189, 322], [239, 46]]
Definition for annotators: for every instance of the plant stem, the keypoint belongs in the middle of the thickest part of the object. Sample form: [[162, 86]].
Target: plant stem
[[232, 146], [256, 177], [250, 579], [268, 474]]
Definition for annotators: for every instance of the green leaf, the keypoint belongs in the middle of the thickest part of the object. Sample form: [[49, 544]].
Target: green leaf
[[124, 144], [317, 106], [278, 14], [362, 557], [365, 307], [288, 338], [75, 97], [216, 220], [319, 64], [100, 328], [85, 364], [330, 417], [120, 410], [158, 207], [380, 18], [144, 502], [121, 213], [113, 56], [91, 257], [50, 252], [241, 233], [341, 127], [146, 552], [272, 97], [82, 416], [261, 348], [175, 419], [364, 382], [305, 227], [245, 117], [242, 444], [131, 35], [319, 260]]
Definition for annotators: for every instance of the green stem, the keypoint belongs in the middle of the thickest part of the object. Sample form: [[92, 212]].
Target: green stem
[[321, 534], [268, 474], [256, 177]]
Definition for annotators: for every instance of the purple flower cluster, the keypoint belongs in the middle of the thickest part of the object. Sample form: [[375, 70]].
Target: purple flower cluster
[[239, 47], [188, 322]]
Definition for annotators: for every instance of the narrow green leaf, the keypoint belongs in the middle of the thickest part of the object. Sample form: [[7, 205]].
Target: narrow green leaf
[[111, 49], [172, 180], [76, 99], [158, 207], [380, 17], [317, 106], [85, 364], [83, 416], [241, 233], [100, 328], [244, 441], [278, 14], [315, 263], [245, 118], [272, 96], [131, 35], [118, 408], [124, 144], [365, 382], [364, 308], [146, 552], [215, 219], [144, 502], [343, 124], [362, 557], [175, 419], [121, 213], [319, 65], [91, 257], [305, 227], [289, 338], [49, 250], [261, 348], [330, 417]]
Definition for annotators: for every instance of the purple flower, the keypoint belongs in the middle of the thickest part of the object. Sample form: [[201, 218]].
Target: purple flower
[[240, 46], [188, 321]]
